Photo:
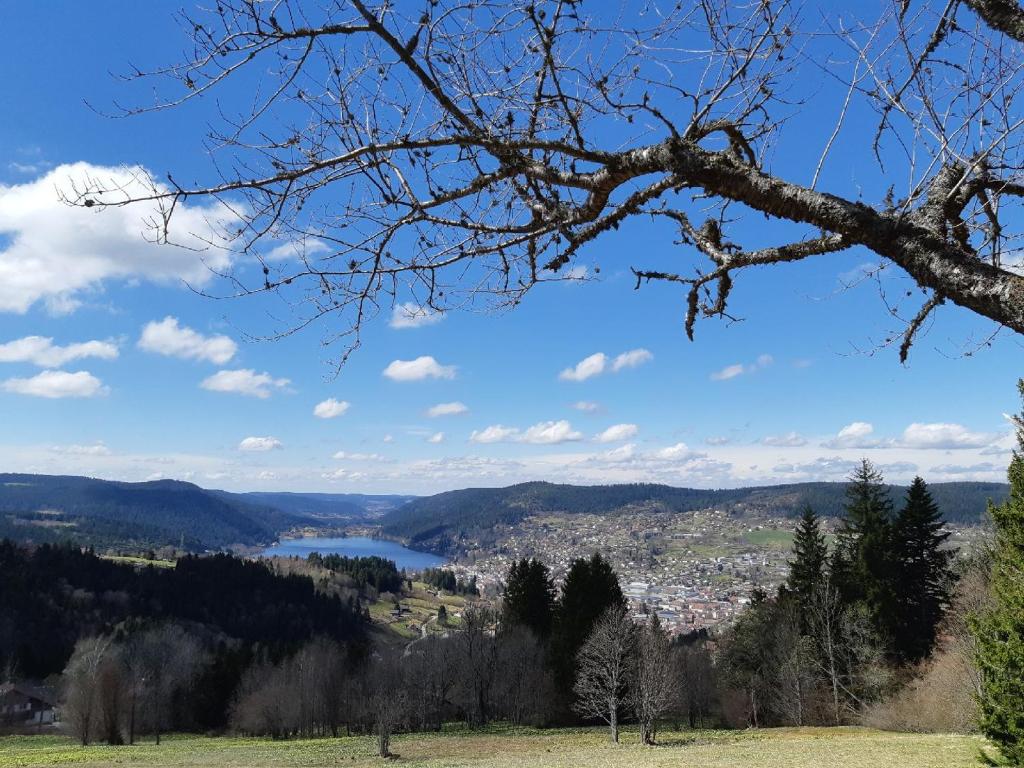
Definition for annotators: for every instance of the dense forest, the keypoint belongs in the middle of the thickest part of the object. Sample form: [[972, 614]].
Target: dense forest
[[239, 611], [372, 571], [39, 508], [437, 523]]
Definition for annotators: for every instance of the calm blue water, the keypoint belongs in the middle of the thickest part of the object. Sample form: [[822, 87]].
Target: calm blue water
[[357, 546]]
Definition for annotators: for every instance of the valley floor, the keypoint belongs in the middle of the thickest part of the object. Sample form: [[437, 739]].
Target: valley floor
[[502, 748]]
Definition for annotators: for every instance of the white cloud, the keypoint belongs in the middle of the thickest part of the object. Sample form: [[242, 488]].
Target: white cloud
[[677, 452], [259, 444], [729, 372], [168, 338], [717, 440], [738, 369], [294, 249], [412, 315], [437, 437], [244, 381], [423, 367], [586, 406], [549, 432], [542, 433], [495, 433], [41, 351], [585, 368], [857, 434], [57, 384], [631, 359], [54, 252], [388, 438], [331, 408], [617, 432], [95, 449], [599, 363], [788, 440], [982, 468], [350, 456], [945, 436], [447, 409], [343, 474], [623, 453], [823, 466]]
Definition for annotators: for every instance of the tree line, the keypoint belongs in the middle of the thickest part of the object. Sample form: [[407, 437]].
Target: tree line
[[58, 602]]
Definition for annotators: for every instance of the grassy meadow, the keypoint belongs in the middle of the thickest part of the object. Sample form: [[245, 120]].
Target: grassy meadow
[[501, 748]]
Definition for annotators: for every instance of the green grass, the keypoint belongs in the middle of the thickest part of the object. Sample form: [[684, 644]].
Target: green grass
[[505, 748], [769, 538]]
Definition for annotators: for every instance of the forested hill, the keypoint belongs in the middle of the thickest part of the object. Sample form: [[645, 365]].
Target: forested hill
[[324, 506], [110, 514], [436, 522], [41, 508]]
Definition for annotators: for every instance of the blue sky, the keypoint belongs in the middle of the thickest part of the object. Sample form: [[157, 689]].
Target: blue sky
[[788, 394]]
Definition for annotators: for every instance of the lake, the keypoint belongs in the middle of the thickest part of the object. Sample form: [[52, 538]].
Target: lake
[[356, 546]]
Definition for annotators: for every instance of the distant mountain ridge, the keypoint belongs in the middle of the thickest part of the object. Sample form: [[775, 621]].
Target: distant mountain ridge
[[326, 506], [46, 508], [436, 523], [122, 515]]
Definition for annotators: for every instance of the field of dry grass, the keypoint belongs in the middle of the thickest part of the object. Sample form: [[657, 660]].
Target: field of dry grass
[[499, 748]]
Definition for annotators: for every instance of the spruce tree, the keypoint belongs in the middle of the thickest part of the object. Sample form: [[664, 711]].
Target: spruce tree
[[864, 562], [810, 555], [924, 573], [530, 597], [590, 588], [1000, 629]]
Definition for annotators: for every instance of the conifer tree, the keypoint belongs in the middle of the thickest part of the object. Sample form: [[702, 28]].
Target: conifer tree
[[863, 564], [924, 573], [590, 588], [810, 556], [530, 597], [1000, 629]]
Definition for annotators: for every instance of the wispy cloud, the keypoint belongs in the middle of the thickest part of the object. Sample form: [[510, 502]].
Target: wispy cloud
[[167, 337], [423, 367], [738, 369], [331, 408], [259, 444], [244, 381], [41, 351], [54, 385]]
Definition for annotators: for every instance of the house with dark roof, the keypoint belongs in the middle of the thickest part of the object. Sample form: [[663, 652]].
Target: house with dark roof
[[24, 704]]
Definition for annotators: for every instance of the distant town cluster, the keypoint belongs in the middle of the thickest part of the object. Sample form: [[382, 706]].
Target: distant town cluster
[[695, 569]]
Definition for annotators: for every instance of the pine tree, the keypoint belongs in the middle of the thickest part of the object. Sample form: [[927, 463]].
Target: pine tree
[[530, 597], [590, 588], [863, 564], [810, 556], [1000, 629], [924, 573]]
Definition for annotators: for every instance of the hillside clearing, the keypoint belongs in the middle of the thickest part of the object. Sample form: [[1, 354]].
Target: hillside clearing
[[496, 748]]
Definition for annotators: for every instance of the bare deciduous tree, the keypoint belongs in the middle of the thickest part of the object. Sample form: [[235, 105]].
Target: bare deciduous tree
[[696, 687], [525, 687], [439, 153], [845, 653], [602, 669], [477, 654], [387, 700], [652, 689], [80, 684], [792, 661]]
